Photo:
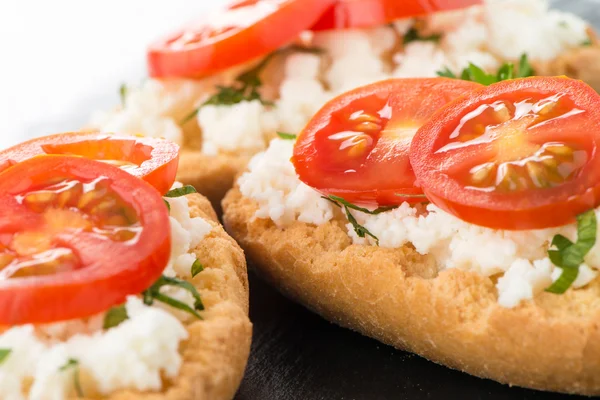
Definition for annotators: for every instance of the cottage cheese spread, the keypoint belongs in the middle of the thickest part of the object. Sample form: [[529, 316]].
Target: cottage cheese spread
[[519, 257], [133, 355]]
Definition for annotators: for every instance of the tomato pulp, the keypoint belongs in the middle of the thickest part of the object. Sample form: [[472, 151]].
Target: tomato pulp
[[76, 237], [152, 159], [519, 154], [356, 147]]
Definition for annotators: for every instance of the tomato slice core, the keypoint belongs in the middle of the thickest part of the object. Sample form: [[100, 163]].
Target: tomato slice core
[[153, 159], [517, 155], [237, 34], [76, 237], [347, 14], [357, 146]]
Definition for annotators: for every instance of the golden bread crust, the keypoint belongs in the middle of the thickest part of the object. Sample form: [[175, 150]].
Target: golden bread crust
[[215, 355], [212, 176], [453, 318]]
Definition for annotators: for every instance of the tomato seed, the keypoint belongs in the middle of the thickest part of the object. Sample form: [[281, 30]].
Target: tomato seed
[[547, 109], [88, 198], [549, 162], [503, 114], [39, 201], [367, 126], [481, 173], [364, 117], [561, 150]]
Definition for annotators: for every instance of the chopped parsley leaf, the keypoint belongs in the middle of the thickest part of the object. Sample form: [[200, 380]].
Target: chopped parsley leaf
[[506, 71], [182, 191], [114, 317], [153, 293], [568, 255], [244, 88], [123, 94], [197, 267], [360, 230], [413, 35], [4, 353], [287, 136], [74, 364]]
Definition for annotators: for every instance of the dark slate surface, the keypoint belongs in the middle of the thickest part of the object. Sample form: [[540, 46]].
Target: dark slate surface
[[296, 355]]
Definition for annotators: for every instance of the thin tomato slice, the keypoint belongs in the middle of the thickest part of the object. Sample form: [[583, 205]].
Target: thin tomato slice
[[153, 159], [347, 14], [356, 146], [76, 237], [244, 31], [518, 155]]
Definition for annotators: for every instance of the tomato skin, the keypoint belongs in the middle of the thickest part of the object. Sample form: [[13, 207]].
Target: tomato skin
[[383, 176], [236, 46], [346, 14], [110, 270], [156, 160], [524, 210]]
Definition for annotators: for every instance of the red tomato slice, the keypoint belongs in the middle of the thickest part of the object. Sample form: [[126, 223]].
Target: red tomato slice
[[155, 160], [347, 14], [245, 30], [356, 146], [520, 154], [76, 237]]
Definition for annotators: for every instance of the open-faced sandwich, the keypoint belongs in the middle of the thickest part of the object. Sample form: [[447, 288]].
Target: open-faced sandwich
[[454, 220], [225, 85], [115, 281]]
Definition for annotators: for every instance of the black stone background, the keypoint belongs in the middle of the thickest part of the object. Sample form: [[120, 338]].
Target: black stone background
[[296, 355]]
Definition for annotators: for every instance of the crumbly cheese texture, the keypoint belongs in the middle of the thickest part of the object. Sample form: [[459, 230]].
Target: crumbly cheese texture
[[154, 108], [133, 355], [520, 258], [301, 83]]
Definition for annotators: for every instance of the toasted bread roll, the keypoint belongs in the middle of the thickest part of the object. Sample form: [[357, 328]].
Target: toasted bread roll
[[398, 297], [215, 355]]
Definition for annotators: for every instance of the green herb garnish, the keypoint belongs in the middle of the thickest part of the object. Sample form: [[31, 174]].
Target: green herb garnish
[[287, 136], [568, 255], [168, 205], [413, 35], [587, 42], [153, 293], [525, 68], [244, 88], [347, 204], [182, 191], [197, 267], [74, 364], [360, 230], [114, 317], [4, 353], [123, 94], [506, 71]]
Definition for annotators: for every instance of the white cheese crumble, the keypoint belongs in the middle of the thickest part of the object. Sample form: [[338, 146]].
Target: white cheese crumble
[[521, 257], [243, 126], [272, 182], [133, 355], [155, 108]]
